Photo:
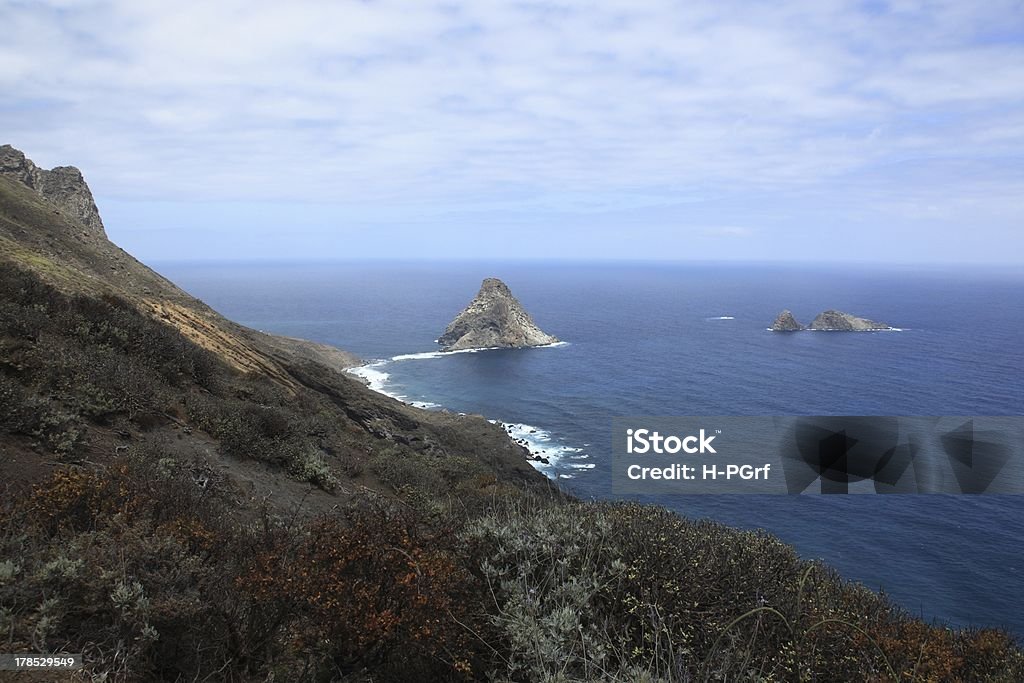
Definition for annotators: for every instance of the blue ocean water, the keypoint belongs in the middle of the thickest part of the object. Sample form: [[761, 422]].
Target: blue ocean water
[[692, 340]]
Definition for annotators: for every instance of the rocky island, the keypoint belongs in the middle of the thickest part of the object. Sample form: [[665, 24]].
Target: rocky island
[[828, 321], [785, 322], [493, 319], [837, 321]]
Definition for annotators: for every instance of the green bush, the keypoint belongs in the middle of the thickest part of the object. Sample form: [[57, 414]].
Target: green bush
[[550, 570], [311, 466]]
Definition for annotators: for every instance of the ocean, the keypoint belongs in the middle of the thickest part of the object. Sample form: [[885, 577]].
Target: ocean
[[691, 339]]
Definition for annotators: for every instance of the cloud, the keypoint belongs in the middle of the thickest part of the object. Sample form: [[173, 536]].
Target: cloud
[[567, 106]]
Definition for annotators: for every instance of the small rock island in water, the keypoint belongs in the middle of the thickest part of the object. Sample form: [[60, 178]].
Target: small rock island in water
[[828, 321], [493, 319], [785, 322]]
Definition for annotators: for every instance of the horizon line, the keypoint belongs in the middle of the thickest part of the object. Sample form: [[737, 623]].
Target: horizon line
[[468, 260]]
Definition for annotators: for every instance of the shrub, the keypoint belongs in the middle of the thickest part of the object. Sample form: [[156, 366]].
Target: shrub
[[373, 590], [310, 466], [632, 592], [548, 571], [139, 568], [98, 356]]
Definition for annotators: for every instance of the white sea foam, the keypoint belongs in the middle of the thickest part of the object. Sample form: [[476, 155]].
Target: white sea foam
[[375, 378], [722, 317], [435, 354], [426, 405], [425, 355], [884, 329], [542, 444], [881, 329]]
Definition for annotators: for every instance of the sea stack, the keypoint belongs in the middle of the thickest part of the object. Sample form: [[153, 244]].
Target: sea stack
[[837, 321], [494, 319], [785, 322]]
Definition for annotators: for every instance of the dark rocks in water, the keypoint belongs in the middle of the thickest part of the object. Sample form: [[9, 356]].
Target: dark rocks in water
[[837, 321], [785, 322], [494, 319]]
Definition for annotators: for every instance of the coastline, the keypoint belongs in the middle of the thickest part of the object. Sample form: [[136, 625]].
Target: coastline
[[546, 454]]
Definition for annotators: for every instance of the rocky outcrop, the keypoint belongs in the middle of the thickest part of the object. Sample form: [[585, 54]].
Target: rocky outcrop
[[827, 321], [63, 187], [785, 322], [493, 319], [837, 321]]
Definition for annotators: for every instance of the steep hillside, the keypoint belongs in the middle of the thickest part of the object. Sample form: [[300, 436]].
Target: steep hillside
[[86, 287]]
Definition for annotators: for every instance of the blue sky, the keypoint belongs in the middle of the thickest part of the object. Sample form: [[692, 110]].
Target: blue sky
[[809, 131]]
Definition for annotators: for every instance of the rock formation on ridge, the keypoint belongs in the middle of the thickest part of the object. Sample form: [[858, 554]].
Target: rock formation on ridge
[[493, 319], [63, 186]]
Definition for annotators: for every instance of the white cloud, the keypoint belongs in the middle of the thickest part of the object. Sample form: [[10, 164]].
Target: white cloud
[[408, 101]]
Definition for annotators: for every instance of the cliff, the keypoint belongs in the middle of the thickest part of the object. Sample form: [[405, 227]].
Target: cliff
[[493, 319], [63, 187]]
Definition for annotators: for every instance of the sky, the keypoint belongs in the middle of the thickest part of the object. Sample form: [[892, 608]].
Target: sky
[[810, 130]]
